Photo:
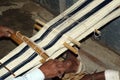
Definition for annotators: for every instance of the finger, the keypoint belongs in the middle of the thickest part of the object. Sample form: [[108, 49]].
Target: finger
[[7, 34], [10, 30], [60, 64], [1, 34], [67, 63]]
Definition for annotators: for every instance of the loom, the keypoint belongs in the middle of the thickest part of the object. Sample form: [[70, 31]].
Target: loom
[[59, 35]]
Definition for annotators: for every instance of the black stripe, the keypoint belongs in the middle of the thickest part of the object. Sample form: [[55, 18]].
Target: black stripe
[[59, 35], [45, 33], [62, 20], [14, 57], [46, 47], [20, 65]]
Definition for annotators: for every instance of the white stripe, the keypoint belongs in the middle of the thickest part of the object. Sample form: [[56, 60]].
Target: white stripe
[[112, 75]]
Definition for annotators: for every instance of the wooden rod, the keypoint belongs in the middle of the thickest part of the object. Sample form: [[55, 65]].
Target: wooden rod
[[15, 38], [33, 45], [40, 22], [36, 26], [7, 69], [70, 48], [74, 41]]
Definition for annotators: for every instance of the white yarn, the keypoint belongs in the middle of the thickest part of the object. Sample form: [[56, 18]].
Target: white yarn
[[81, 67], [112, 75]]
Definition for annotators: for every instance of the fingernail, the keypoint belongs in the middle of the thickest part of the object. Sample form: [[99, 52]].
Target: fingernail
[[9, 35]]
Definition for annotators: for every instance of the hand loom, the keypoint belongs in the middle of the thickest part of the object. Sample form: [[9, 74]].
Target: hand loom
[[59, 35]]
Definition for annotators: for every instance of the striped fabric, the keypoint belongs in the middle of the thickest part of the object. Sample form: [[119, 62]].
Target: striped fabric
[[77, 22]]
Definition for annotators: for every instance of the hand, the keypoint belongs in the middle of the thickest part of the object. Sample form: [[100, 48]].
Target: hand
[[53, 68], [71, 64], [5, 32]]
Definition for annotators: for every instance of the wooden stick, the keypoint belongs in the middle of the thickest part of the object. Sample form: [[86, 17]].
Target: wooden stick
[[33, 45], [7, 69], [70, 48], [74, 41], [40, 22], [15, 38], [36, 26]]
